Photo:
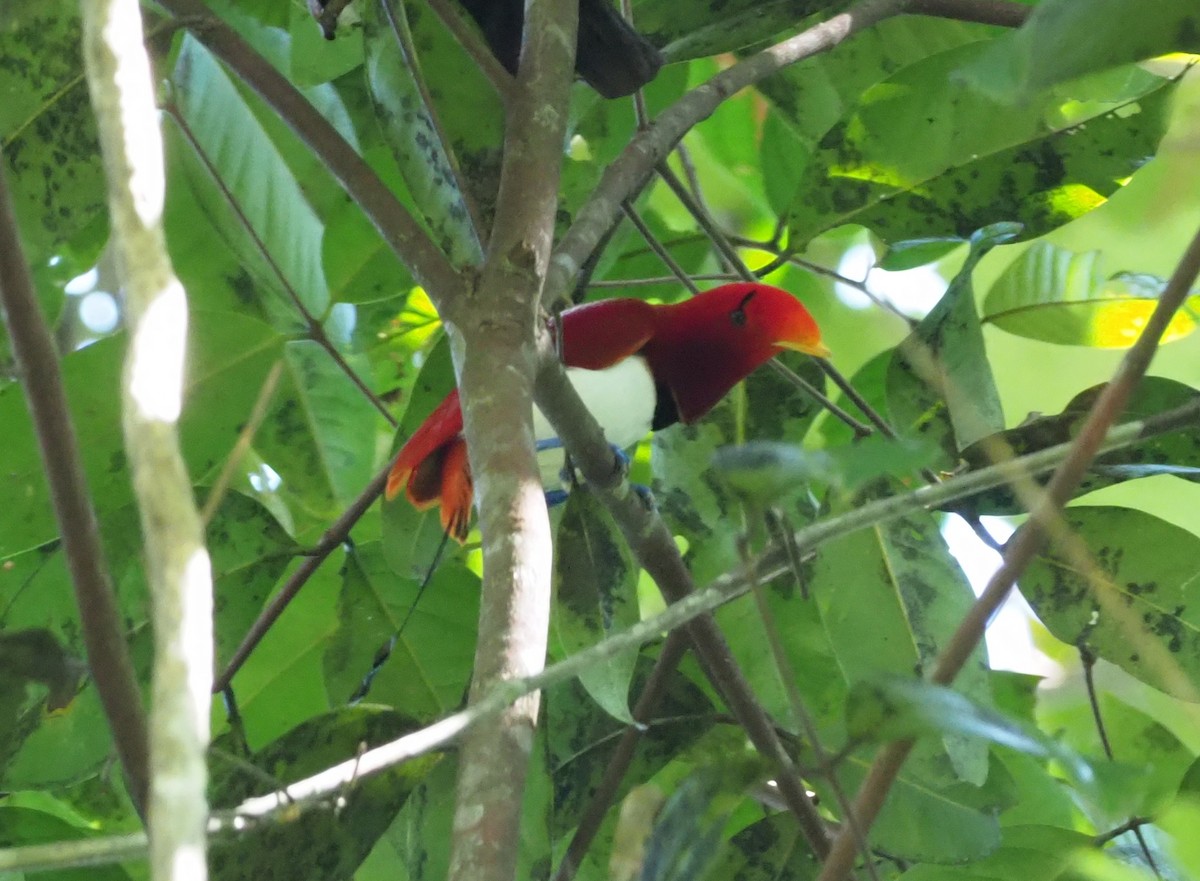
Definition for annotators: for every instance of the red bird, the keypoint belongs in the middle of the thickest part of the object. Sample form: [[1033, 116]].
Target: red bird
[[638, 367]]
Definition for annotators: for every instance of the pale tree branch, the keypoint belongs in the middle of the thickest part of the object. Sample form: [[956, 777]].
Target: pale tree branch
[[1025, 544], [178, 570], [103, 629], [493, 340]]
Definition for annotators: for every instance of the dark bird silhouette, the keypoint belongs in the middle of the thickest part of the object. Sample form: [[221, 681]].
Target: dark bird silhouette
[[610, 55]]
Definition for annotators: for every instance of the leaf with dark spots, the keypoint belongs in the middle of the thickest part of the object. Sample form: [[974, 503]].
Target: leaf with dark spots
[[580, 739], [1143, 624], [905, 167], [595, 586], [48, 134], [940, 376], [1164, 453], [322, 840], [427, 164]]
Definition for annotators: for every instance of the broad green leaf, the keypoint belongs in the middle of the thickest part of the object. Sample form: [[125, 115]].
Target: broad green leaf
[[924, 155], [1148, 568], [1164, 453], [47, 132], [315, 60], [26, 826], [1136, 740], [430, 664], [360, 266], [400, 97], [894, 708], [581, 736], [943, 366], [1031, 853], [318, 843], [687, 830], [917, 252], [249, 551], [694, 30], [228, 358], [926, 823], [890, 596], [469, 113], [1180, 821], [595, 590], [282, 683], [1064, 39], [319, 435], [1060, 296], [771, 849], [233, 145]]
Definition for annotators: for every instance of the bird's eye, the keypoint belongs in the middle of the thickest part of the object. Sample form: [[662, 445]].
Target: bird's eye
[[738, 315]]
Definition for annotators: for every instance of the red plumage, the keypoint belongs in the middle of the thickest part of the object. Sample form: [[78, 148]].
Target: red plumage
[[696, 351]]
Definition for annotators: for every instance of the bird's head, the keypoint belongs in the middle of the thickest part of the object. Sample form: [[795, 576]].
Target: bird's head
[[704, 346]]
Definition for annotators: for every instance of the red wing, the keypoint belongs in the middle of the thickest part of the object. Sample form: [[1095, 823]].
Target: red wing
[[421, 452], [598, 335]]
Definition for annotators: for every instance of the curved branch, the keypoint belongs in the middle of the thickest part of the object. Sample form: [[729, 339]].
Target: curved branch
[[103, 629]]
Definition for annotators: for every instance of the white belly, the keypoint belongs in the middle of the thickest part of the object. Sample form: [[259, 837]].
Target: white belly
[[621, 398]]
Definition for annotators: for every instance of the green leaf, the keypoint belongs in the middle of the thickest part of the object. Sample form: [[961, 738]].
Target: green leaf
[[251, 169], [319, 842], [469, 113], [314, 59], [430, 664], [923, 822], [943, 363], [771, 848], [595, 588], [1060, 296], [21, 826], [764, 471], [402, 105], [1030, 852], [894, 708], [695, 30], [917, 252], [1165, 453], [250, 551], [889, 597], [1148, 624], [922, 154], [228, 359], [1136, 739], [319, 435], [1064, 39], [48, 133]]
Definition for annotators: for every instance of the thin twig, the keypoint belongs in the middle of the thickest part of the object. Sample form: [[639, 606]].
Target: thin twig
[[330, 540], [1087, 659], [242, 445], [103, 626]]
